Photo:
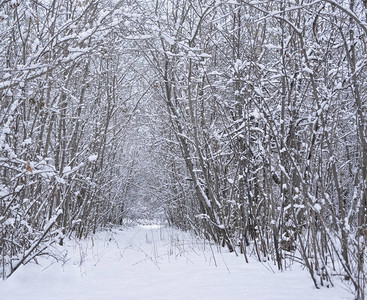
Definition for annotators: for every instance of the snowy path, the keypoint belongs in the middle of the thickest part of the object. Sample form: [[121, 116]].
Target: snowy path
[[148, 262]]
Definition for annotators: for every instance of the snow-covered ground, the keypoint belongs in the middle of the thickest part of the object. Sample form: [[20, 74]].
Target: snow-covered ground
[[152, 262]]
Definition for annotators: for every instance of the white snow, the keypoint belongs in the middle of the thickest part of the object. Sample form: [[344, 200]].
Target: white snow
[[152, 262], [170, 40], [93, 157], [307, 70], [27, 142], [205, 55], [317, 207], [66, 170]]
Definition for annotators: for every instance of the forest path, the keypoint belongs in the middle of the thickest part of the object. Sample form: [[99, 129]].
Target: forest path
[[153, 262]]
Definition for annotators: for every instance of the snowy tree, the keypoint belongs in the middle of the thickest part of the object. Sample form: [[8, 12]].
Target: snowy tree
[[243, 121]]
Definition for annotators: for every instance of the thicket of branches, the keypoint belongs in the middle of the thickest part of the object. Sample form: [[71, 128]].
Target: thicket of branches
[[69, 95], [244, 120], [267, 109]]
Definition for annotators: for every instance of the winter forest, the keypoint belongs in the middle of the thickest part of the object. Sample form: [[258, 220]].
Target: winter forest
[[241, 121]]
